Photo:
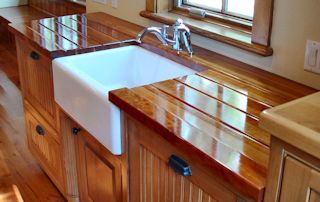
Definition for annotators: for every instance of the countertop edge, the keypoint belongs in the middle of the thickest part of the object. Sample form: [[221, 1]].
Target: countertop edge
[[50, 54], [62, 53], [290, 131]]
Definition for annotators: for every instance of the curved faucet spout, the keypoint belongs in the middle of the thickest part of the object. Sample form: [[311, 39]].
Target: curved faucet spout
[[180, 40], [152, 30]]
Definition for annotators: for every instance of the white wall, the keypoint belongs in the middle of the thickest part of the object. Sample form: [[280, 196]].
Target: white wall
[[9, 3], [294, 22]]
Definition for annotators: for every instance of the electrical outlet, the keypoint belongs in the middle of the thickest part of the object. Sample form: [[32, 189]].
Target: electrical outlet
[[114, 3], [312, 57], [100, 1]]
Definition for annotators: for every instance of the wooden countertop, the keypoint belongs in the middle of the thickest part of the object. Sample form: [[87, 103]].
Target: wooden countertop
[[21, 14], [215, 118], [75, 34], [213, 115], [297, 123]]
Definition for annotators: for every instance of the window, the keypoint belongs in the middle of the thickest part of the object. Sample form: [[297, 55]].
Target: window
[[242, 9], [245, 24]]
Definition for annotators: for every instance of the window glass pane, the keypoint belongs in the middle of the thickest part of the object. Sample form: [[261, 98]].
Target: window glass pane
[[243, 7], [209, 4]]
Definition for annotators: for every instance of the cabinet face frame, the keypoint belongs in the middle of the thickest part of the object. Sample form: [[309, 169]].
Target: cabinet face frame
[[280, 151], [69, 153]]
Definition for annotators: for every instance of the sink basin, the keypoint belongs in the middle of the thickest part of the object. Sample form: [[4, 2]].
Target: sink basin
[[82, 83]]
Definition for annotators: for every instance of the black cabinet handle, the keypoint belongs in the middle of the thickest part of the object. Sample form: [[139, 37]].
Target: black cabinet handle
[[179, 165], [39, 130], [34, 55], [75, 130]]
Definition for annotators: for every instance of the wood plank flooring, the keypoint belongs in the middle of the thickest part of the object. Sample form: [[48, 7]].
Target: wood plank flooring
[[21, 178]]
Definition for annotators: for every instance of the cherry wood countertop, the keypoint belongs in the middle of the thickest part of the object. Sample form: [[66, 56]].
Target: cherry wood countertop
[[213, 115], [75, 34]]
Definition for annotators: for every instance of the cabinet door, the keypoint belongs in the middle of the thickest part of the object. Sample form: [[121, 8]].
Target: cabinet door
[[44, 144], [152, 180], [36, 81], [300, 182], [99, 172]]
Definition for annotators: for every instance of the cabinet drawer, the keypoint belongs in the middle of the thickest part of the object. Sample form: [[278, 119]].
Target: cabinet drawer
[[152, 179], [44, 144], [37, 82]]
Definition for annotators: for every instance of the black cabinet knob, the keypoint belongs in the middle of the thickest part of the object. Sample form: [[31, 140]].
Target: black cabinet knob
[[179, 165], [75, 130], [34, 55], [39, 130]]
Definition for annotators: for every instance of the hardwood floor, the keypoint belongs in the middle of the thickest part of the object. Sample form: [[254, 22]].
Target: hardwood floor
[[21, 178]]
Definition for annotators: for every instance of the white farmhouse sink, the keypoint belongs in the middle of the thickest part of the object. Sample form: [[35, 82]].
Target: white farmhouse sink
[[82, 83]]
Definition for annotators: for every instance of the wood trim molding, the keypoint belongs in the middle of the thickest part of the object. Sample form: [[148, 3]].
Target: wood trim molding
[[262, 22], [151, 6], [260, 34], [245, 45]]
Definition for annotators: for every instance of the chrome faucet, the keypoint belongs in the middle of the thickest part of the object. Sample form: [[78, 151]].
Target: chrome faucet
[[181, 36]]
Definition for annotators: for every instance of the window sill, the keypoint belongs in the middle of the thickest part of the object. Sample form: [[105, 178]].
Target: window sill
[[223, 33]]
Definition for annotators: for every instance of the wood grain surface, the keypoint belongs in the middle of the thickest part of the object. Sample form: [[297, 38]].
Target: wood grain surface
[[73, 34], [213, 114]]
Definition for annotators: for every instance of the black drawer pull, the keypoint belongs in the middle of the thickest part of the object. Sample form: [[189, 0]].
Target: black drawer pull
[[34, 55], [179, 165], [39, 130], [75, 130]]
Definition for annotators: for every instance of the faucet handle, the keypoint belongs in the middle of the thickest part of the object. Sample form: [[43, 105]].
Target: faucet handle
[[179, 21], [164, 31], [180, 26]]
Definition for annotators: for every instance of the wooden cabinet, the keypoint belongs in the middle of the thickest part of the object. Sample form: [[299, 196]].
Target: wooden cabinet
[[300, 182], [152, 180], [44, 143], [293, 176], [101, 175], [36, 81], [41, 114]]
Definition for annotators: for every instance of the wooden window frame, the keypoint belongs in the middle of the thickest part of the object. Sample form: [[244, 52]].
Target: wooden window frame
[[260, 29]]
